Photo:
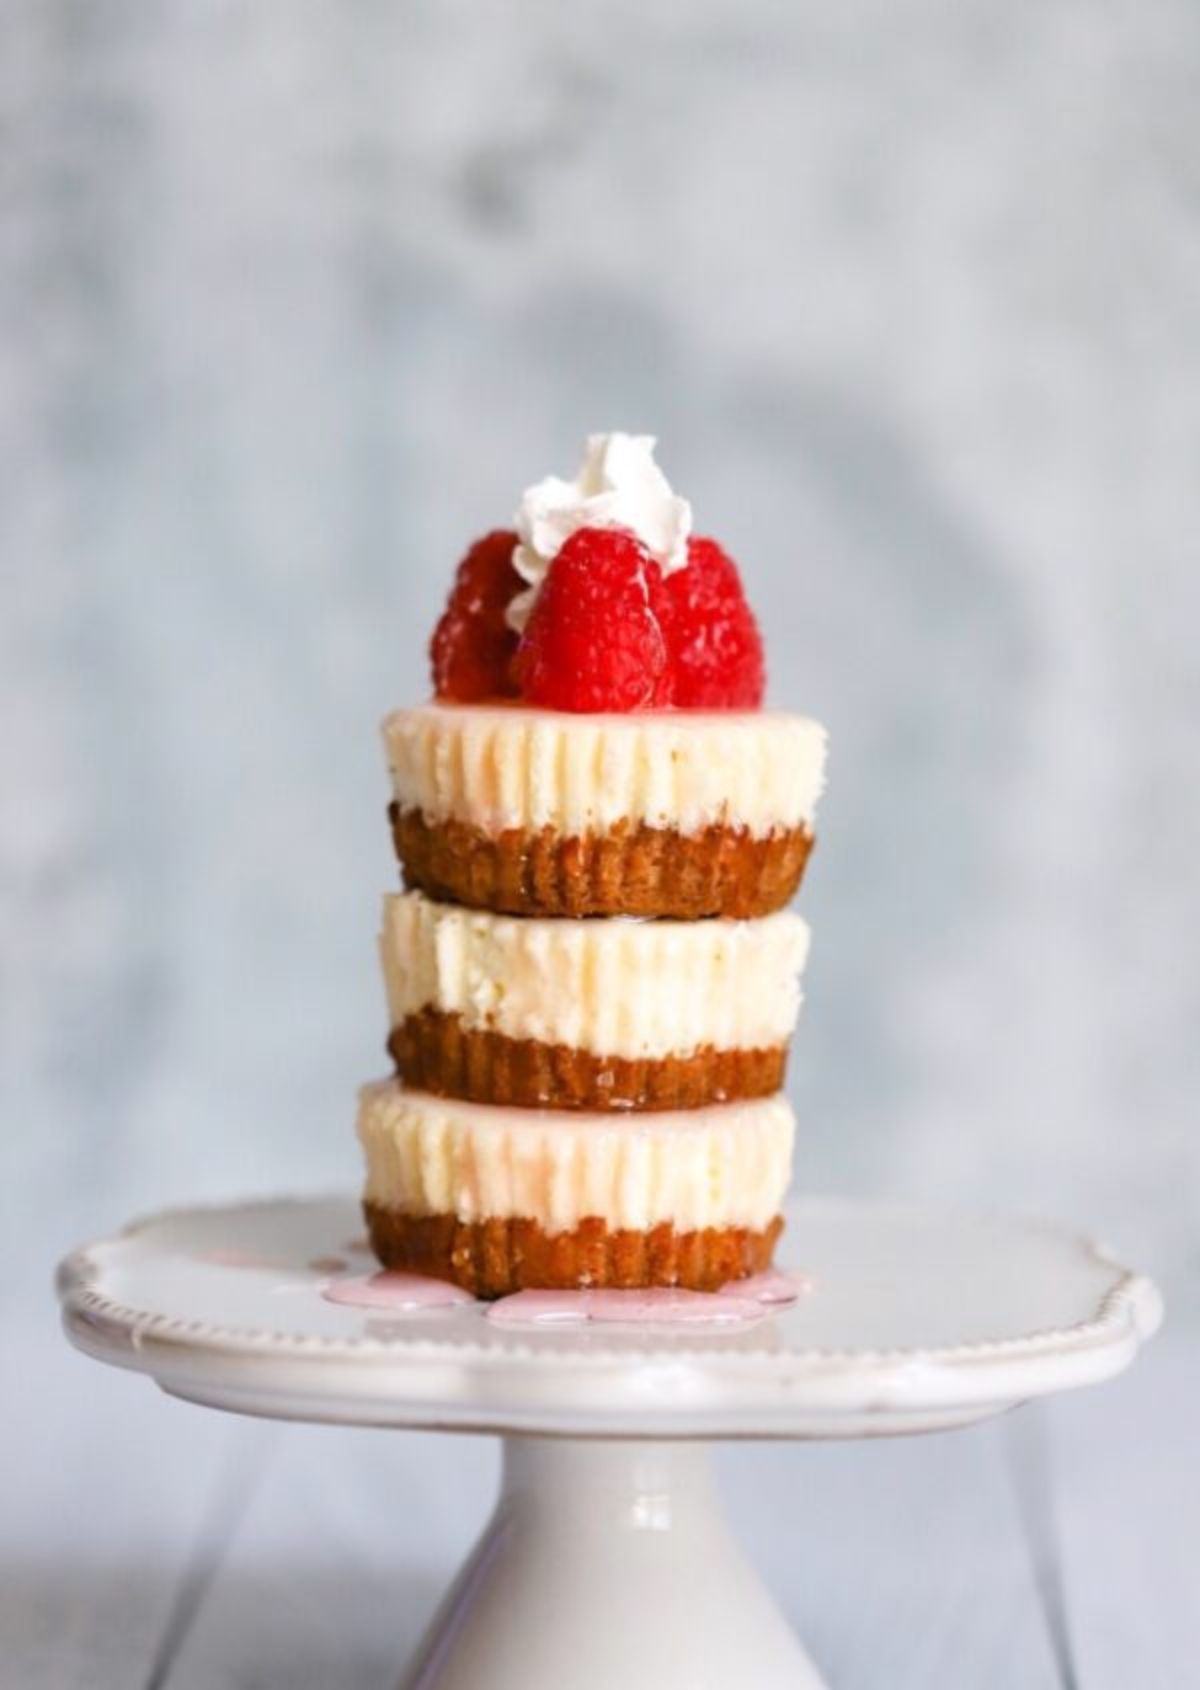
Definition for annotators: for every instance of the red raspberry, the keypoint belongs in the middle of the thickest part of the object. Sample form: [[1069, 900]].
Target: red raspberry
[[715, 646], [593, 641], [472, 647]]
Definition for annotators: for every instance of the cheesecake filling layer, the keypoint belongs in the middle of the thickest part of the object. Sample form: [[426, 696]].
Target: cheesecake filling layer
[[509, 768], [614, 987], [694, 1170]]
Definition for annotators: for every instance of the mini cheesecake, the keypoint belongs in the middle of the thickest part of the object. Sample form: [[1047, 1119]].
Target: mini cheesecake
[[500, 1200], [683, 814], [591, 1014]]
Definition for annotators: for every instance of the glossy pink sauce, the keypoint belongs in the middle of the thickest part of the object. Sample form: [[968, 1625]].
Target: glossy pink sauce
[[735, 1304], [661, 1304], [395, 1291], [231, 1258], [773, 1288]]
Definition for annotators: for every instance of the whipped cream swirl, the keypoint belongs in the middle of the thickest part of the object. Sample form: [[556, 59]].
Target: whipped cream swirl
[[618, 484]]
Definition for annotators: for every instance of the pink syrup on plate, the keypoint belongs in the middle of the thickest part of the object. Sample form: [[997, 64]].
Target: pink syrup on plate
[[663, 1305], [233, 1258], [773, 1288], [735, 1304], [395, 1291]]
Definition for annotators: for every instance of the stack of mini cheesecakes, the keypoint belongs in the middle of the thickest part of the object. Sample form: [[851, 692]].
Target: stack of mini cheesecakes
[[591, 977]]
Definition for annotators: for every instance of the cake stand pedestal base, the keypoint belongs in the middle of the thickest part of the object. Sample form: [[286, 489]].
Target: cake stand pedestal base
[[608, 1563]]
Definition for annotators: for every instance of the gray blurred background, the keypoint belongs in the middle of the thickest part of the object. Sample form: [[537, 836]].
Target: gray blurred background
[[296, 299]]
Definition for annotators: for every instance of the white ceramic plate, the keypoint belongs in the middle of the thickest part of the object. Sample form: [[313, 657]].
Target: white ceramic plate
[[916, 1319]]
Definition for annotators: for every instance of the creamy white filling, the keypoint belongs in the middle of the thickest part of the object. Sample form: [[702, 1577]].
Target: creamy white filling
[[511, 767], [727, 1165], [633, 989]]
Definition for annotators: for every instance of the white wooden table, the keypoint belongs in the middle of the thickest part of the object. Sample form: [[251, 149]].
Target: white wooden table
[[147, 1543]]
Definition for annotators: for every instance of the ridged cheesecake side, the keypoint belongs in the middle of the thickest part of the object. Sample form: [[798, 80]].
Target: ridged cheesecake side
[[612, 1014], [498, 1198], [676, 814]]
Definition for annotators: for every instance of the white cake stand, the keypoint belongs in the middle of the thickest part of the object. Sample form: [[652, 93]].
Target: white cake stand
[[606, 1562]]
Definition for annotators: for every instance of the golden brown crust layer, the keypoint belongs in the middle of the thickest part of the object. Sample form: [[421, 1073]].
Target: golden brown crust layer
[[495, 1257], [629, 870], [434, 1051]]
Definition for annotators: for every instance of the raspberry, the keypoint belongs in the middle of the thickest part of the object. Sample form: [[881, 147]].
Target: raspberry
[[715, 647], [472, 647], [593, 641]]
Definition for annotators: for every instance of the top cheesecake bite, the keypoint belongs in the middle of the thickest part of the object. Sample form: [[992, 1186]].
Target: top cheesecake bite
[[597, 744]]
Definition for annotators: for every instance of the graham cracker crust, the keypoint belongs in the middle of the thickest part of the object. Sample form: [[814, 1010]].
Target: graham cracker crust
[[433, 1051], [495, 1257], [628, 870]]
